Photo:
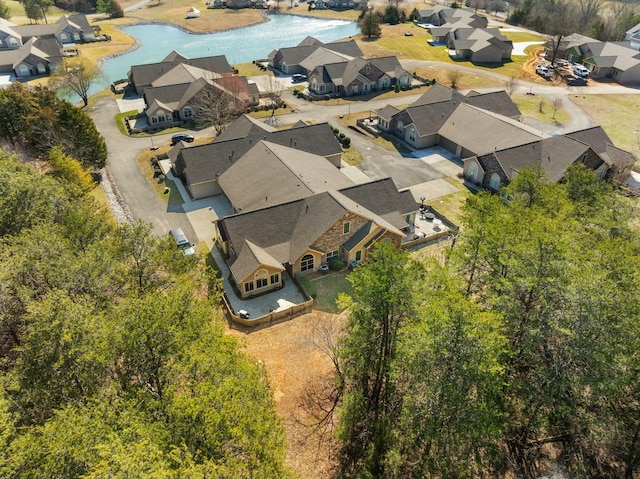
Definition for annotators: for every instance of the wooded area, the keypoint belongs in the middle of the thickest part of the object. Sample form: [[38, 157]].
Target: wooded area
[[519, 353]]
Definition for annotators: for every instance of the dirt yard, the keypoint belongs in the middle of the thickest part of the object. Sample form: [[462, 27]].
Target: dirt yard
[[291, 355]]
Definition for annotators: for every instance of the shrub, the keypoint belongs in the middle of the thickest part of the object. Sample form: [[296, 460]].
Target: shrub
[[346, 142], [341, 135], [397, 88], [335, 263]]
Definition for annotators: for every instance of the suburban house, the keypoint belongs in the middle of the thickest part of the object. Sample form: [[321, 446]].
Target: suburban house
[[142, 76], [590, 147], [203, 168], [301, 236], [175, 90], [440, 15], [358, 76], [483, 129], [34, 50], [478, 45], [616, 60], [292, 59], [459, 123]]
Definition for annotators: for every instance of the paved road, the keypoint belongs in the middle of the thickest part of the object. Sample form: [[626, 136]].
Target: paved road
[[141, 199]]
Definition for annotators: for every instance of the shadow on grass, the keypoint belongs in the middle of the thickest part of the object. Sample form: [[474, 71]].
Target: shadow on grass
[[328, 287]]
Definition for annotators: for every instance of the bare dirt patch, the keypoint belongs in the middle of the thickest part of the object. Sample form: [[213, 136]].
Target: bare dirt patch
[[296, 365]]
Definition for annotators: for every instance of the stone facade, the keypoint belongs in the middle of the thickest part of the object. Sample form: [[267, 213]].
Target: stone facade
[[334, 237]]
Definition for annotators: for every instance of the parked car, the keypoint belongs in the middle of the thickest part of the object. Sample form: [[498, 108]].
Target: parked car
[[298, 77], [182, 242], [543, 71], [581, 71], [576, 81], [181, 137]]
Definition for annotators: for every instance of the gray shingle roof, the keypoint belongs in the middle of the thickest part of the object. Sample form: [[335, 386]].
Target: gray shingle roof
[[270, 174]]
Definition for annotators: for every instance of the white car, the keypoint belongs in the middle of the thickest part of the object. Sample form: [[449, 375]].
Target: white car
[[581, 71], [543, 71]]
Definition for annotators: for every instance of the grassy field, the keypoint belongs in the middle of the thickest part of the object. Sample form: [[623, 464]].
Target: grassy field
[[541, 108], [328, 287], [618, 116]]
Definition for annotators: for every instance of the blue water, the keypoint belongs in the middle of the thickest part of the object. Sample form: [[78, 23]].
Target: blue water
[[240, 45]]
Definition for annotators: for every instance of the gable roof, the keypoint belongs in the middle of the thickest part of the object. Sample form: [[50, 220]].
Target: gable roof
[[600, 142], [249, 258], [270, 174], [286, 231], [554, 155], [145, 74]]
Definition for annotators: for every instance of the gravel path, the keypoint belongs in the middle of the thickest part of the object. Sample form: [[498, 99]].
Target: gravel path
[[116, 202]]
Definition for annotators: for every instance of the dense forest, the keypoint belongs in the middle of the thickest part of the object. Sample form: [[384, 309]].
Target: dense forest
[[521, 353], [113, 356]]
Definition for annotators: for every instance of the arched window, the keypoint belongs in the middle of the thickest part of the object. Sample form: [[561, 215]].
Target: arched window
[[306, 263], [23, 70], [472, 172], [399, 127], [64, 38], [494, 183], [13, 42], [41, 68], [412, 134]]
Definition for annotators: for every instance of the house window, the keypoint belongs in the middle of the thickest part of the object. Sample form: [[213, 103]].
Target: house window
[[24, 70], [333, 254], [322, 87], [64, 38], [399, 127], [306, 263], [187, 112], [346, 227], [358, 255], [385, 82], [412, 134], [367, 70], [494, 183], [275, 278], [261, 282], [76, 37], [13, 42], [584, 158], [354, 89], [472, 172], [41, 68], [248, 286]]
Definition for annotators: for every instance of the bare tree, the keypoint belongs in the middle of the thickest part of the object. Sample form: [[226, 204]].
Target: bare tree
[[556, 105], [218, 103], [511, 85], [476, 5], [76, 75], [589, 10], [274, 90], [560, 23]]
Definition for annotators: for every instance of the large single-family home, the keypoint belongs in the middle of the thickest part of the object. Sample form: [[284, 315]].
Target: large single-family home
[[202, 167], [463, 124], [172, 104], [34, 50], [358, 76], [479, 45], [590, 147], [292, 59], [618, 61], [439, 15], [300, 236], [143, 76]]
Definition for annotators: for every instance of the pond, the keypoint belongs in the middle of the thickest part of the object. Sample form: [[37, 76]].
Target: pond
[[239, 45]]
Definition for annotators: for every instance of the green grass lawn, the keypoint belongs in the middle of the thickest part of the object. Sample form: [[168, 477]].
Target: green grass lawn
[[328, 287], [541, 109], [451, 205]]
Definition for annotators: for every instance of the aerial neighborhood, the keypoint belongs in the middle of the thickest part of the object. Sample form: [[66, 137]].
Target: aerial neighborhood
[[283, 250]]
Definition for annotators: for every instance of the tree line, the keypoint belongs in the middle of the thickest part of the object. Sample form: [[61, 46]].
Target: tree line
[[522, 351], [604, 21], [113, 356]]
